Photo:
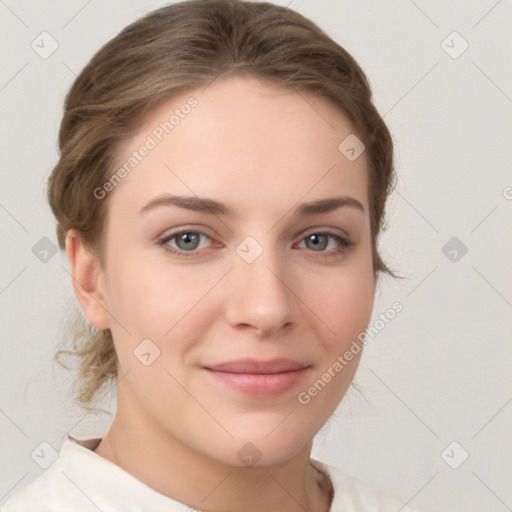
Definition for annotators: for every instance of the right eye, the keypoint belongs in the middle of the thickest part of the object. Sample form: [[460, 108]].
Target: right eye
[[186, 242]]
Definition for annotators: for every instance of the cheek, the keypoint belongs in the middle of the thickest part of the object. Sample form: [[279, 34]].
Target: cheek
[[343, 305], [155, 299], [343, 301]]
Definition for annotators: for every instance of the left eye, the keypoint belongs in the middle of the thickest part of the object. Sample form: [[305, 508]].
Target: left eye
[[317, 241], [320, 241]]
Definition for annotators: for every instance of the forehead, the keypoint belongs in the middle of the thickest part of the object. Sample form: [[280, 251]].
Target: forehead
[[242, 138]]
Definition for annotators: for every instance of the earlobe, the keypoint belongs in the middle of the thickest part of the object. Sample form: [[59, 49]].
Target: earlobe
[[88, 280]]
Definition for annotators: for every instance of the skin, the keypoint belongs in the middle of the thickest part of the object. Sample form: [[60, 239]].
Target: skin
[[262, 150]]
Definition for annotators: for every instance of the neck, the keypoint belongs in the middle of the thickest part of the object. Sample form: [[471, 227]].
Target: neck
[[160, 460]]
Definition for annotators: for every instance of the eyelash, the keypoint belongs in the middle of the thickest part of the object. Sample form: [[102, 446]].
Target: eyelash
[[344, 243]]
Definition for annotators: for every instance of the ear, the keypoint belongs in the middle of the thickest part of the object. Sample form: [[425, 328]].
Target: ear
[[88, 280]]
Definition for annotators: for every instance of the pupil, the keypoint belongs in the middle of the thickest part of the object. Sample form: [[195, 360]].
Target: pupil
[[318, 242], [187, 238]]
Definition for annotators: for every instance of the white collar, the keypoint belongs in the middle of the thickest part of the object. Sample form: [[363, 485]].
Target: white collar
[[87, 482]]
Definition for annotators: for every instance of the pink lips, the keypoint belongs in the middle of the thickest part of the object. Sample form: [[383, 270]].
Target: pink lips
[[259, 378]]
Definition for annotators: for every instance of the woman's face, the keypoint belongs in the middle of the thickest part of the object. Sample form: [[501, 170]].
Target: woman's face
[[225, 311]]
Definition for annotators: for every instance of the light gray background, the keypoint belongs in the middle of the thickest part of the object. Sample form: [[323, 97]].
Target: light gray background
[[438, 373]]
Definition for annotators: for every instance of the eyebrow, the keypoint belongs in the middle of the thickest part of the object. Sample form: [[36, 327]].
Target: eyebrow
[[201, 204]]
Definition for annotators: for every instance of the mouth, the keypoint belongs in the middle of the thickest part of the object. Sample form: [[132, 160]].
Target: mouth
[[259, 378]]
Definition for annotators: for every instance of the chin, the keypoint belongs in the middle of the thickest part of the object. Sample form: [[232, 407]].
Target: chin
[[264, 445]]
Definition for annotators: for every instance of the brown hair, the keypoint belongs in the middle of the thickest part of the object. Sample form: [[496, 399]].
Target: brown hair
[[174, 49]]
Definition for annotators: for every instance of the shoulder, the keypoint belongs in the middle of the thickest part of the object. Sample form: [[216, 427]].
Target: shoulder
[[80, 480], [56, 488], [353, 495]]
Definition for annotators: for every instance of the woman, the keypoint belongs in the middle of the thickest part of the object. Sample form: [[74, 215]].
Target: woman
[[219, 194]]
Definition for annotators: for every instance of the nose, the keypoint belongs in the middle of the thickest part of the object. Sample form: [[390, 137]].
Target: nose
[[260, 294]]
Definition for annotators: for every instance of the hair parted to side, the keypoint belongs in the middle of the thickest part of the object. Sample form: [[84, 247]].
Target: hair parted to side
[[171, 50]]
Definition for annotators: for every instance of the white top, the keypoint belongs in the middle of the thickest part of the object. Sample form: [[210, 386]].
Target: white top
[[80, 480]]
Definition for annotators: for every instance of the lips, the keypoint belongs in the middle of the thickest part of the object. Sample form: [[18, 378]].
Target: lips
[[259, 378], [258, 367]]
